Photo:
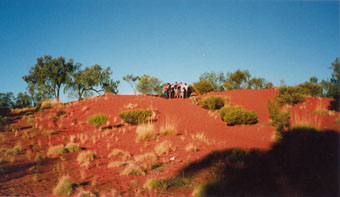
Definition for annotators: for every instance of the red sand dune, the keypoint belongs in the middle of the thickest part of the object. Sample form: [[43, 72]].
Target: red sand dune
[[189, 118]]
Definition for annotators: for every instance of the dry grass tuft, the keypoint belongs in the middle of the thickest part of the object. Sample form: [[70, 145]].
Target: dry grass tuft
[[152, 184], [65, 186], [48, 103], [201, 137], [191, 147], [133, 171], [147, 160], [130, 106], [163, 148], [83, 193], [73, 147], [85, 158], [83, 138], [145, 132], [59, 149], [116, 164], [170, 128], [119, 152]]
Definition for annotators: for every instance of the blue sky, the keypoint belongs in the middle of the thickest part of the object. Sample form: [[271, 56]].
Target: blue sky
[[174, 40]]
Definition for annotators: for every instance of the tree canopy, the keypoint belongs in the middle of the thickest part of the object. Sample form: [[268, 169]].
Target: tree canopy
[[149, 85], [132, 81], [48, 76], [203, 87], [237, 80], [215, 79], [92, 79]]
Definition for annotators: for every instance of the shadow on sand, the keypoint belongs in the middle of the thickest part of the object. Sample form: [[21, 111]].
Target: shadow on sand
[[304, 163]]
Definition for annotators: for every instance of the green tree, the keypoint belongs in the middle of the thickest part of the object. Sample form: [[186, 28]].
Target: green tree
[[311, 89], [149, 85], [49, 75], [6, 102], [203, 87], [269, 85], [237, 80], [331, 88], [92, 79], [313, 80], [132, 81], [215, 79], [257, 83], [23, 100]]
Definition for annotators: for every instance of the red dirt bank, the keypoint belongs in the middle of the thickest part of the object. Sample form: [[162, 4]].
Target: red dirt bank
[[189, 118]]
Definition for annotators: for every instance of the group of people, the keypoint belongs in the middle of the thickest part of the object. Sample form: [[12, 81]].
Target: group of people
[[176, 90]]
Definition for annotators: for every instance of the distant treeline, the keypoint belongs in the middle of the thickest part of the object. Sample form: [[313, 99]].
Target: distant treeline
[[51, 75]]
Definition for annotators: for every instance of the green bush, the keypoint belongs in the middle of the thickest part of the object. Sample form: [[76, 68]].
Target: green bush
[[64, 187], [304, 127], [159, 184], [237, 155], [212, 102], [321, 112], [311, 89], [135, 117], [73, 147], [337, 121], [3, 122], [280, 120], [97, 120], [278, 136], [203, 87], [237, 115], [290, 95]]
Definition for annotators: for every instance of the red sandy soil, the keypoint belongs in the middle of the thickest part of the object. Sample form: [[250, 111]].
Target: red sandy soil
[[190, 119]]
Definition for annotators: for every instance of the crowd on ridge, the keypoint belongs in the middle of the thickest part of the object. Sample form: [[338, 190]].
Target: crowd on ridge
[[176, 90]]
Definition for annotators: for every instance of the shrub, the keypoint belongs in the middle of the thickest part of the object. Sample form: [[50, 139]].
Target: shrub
[[2, 160], [152, 184], [191, 147], [3, 122], [144, 132], [237, 115], [119, 152], [116, 164], [59, 149], [201, 137], [278, 136], [212, 102], [321, 112], [65, 186], [337, 121], [133, 171], [159, 184], [97, 120], [17, 148], [135, 117], [289, 95], [163, 148], [304, 127], [39, 157], [311, 89], [237, 155], [73, 147], [280, 120], [46, 104], [86, 157], [83, 193], [203, 87], [147, 160], [169, 128]]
